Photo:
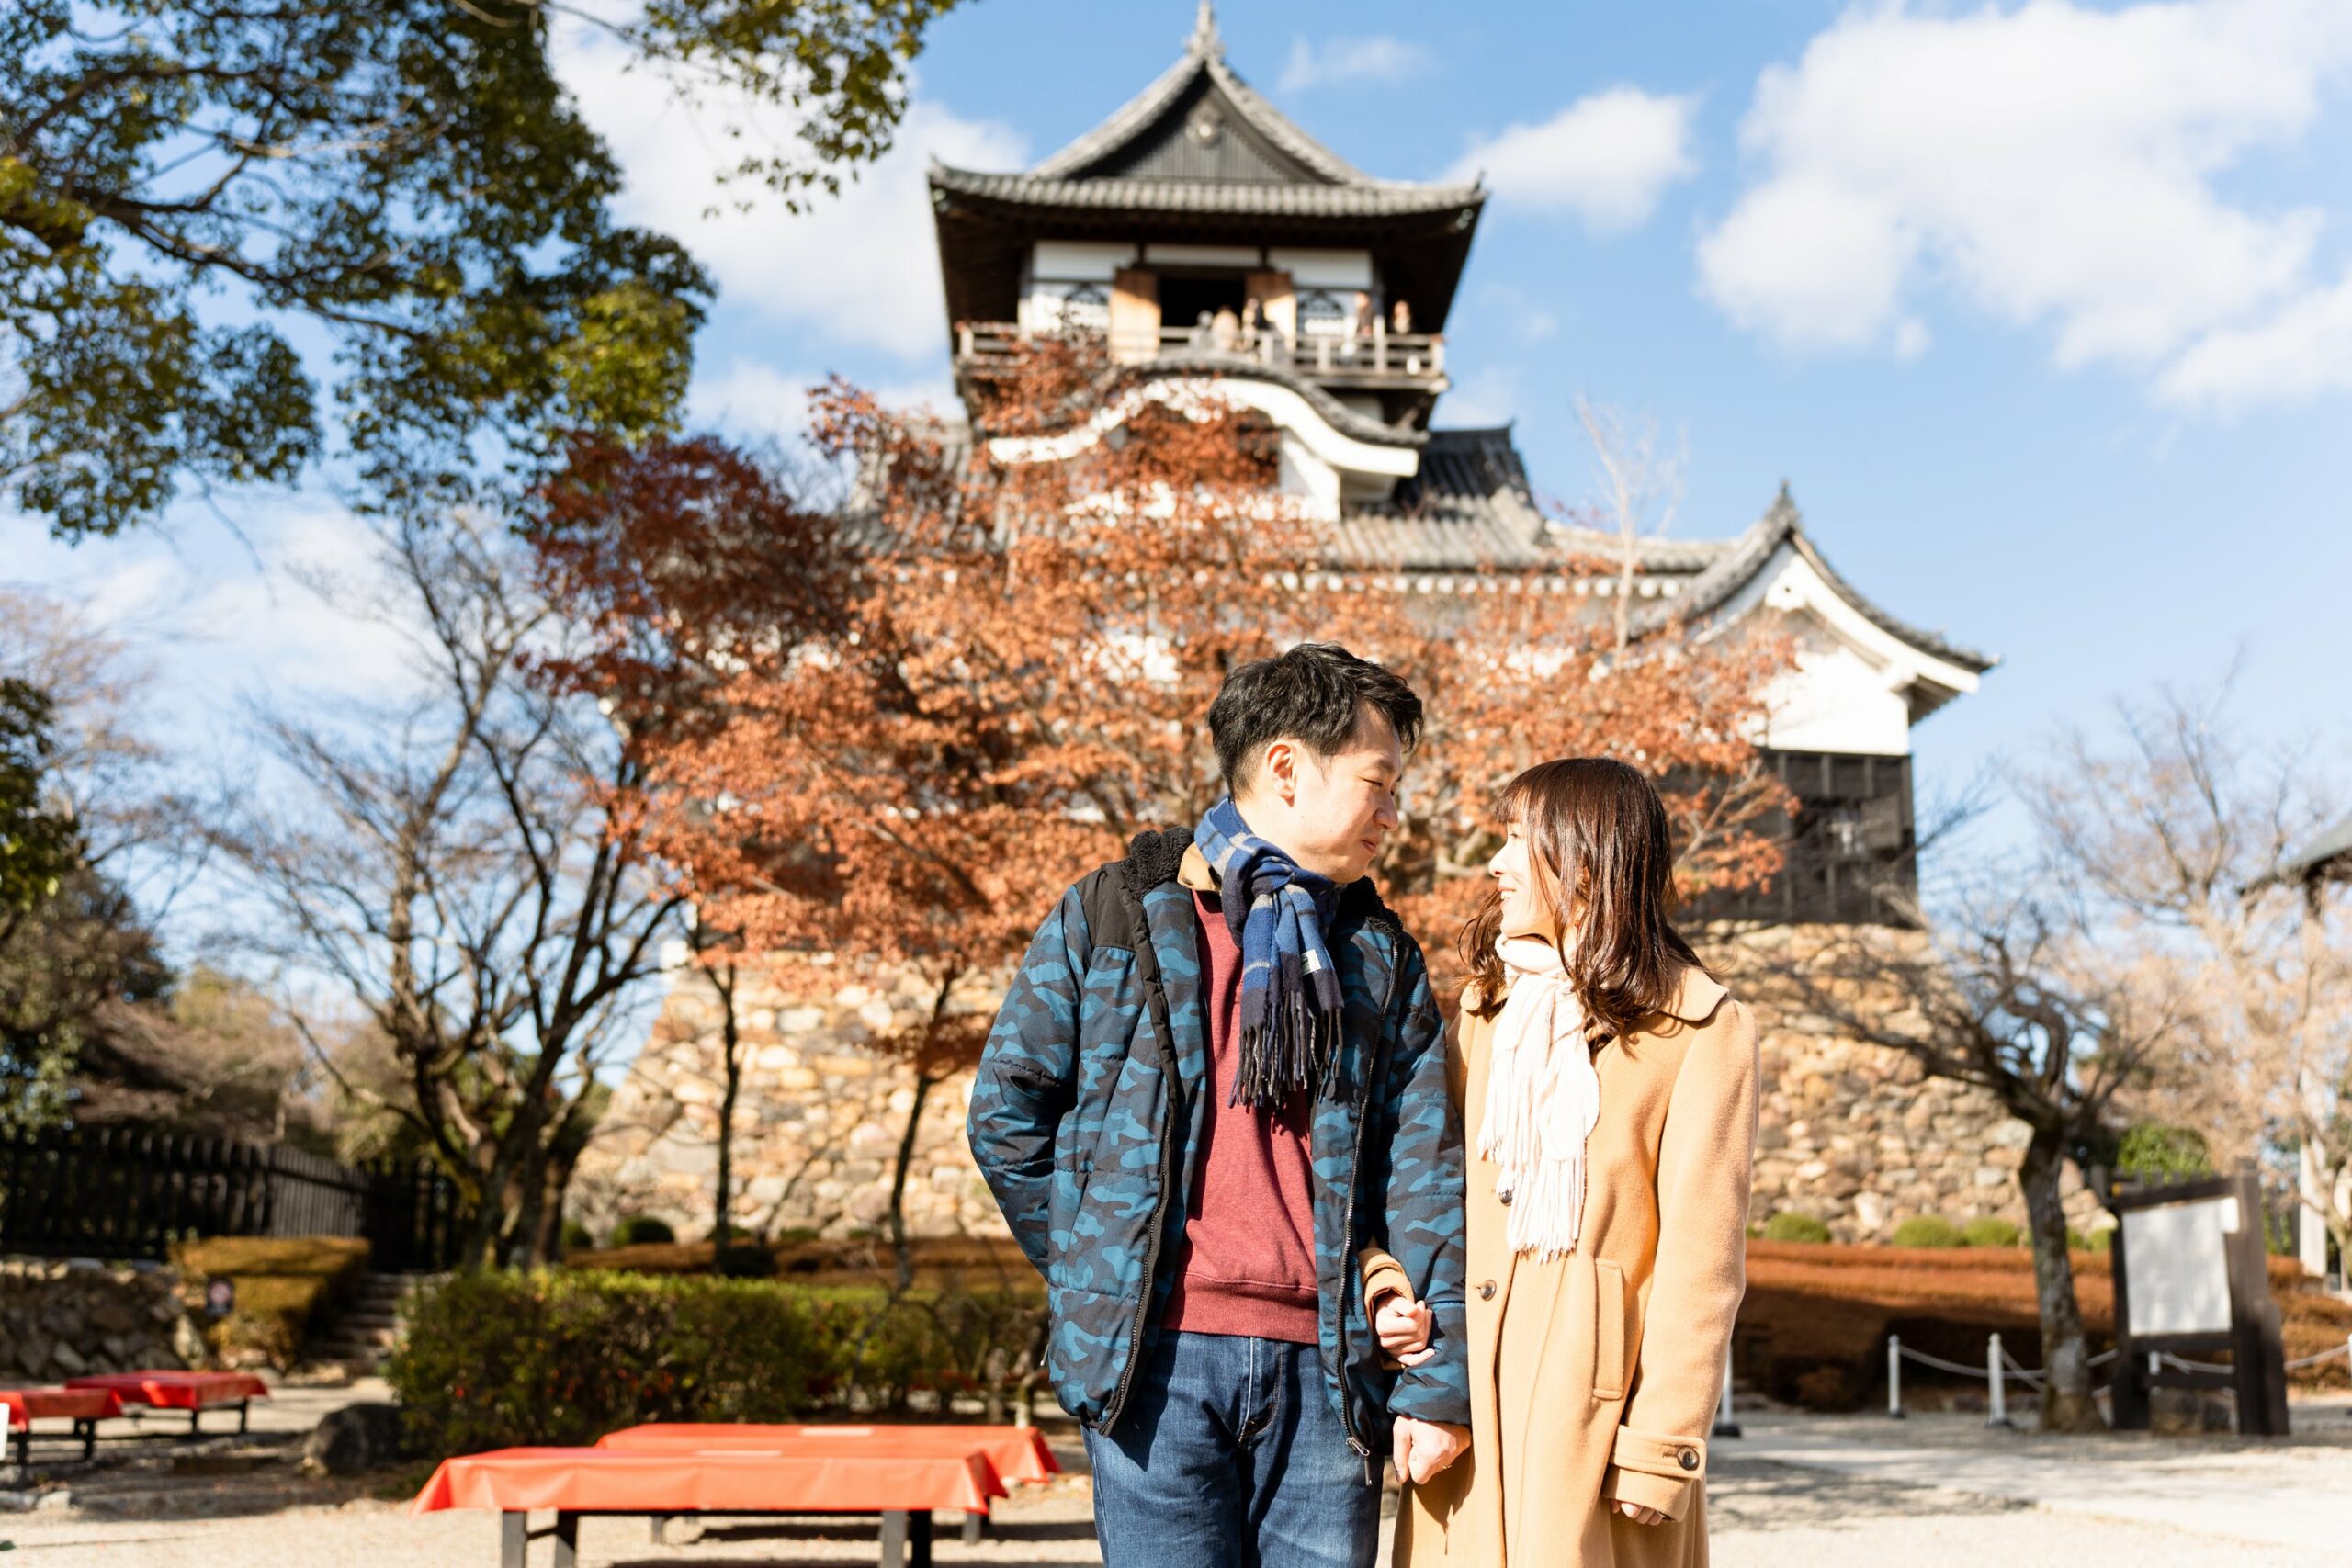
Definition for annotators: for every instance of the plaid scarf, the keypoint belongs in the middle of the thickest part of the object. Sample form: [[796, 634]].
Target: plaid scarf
[[1290, 993]]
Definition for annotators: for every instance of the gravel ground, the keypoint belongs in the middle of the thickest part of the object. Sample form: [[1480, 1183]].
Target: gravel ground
[[1800, 1492]]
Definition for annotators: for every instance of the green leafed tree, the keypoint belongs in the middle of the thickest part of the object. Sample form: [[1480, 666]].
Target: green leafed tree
[[196, 199]]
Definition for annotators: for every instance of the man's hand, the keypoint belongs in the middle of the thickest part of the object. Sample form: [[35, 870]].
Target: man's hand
[[1640, 1515], [1424, 1448], [1403, 1326]]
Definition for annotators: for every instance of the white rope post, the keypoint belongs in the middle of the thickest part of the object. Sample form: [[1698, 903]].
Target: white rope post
[[1894, 1376], [1998, 1416], [1726, 1425]]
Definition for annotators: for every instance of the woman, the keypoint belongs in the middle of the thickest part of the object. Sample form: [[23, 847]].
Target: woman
[[1607, 1084]]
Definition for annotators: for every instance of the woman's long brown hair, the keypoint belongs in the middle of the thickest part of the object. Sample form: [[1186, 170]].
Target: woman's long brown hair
[[1596, 826]]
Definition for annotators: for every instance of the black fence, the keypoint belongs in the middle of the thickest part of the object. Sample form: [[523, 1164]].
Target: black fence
[[117, 1192]]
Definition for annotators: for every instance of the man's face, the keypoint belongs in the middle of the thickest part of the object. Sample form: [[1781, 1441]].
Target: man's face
[[1331, 813]]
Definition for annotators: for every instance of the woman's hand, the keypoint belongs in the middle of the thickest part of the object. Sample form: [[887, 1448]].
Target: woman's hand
[[1403, 1326], [1640, 1515]]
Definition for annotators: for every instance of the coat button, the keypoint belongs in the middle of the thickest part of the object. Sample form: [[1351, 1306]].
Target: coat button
[[1486, 1289], [1504, 1197], [1688, 1459]]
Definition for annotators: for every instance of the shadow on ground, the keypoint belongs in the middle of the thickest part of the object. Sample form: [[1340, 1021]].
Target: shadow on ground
[[1764, 1494]]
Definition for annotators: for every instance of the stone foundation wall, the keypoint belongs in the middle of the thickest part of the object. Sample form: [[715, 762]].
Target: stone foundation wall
[[70, 1320], [817, 1124], [1849, 1133]]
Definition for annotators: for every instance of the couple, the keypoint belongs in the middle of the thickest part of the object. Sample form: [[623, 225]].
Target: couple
[[1291, 1225]]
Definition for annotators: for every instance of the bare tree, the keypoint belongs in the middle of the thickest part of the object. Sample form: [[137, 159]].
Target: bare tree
[[2178, 829], [448, 866], [2013, 995], [1641, 489]]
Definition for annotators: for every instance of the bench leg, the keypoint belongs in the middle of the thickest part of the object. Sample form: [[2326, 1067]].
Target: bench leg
[[190, 1436], [658, 1521], [514, 1538], [244, 1408], [567, 1540], [975, 1529], [89, 1434], [894, 1540], [919, 1539]]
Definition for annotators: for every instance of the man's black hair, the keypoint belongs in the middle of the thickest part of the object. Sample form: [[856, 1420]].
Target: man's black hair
[[1317, 695]]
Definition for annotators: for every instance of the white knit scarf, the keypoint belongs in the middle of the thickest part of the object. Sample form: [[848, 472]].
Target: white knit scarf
[[1543, 1098]]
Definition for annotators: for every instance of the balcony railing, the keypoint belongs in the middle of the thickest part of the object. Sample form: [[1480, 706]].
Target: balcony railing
[[1373, 359]]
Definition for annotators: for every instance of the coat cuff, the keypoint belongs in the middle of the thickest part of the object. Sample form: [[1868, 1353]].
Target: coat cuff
[[1653, 1471]]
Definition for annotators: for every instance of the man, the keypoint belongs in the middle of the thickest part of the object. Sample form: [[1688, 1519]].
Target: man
[[1218, 1076]]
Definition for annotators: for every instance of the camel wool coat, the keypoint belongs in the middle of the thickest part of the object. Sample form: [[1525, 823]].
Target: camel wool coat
[[1593, 1378]]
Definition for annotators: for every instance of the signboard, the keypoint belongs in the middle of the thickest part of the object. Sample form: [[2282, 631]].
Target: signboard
[[2190, 1284], [2176, 1267]]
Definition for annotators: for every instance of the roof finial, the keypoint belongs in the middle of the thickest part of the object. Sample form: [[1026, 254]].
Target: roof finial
[[1204, 40]]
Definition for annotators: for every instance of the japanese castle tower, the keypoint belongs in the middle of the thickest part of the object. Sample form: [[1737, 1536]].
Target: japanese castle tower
[[1210, 238]]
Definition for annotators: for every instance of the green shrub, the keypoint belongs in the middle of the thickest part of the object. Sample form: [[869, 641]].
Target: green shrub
[[641, 1230], [1788, 1225], [563, 1357], [1991, 1230], [1926, 1230], [2157, 1152], [2101, 1240], [576, 1238]]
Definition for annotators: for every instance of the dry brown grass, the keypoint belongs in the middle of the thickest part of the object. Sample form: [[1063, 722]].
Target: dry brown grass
[[1812, 1329]]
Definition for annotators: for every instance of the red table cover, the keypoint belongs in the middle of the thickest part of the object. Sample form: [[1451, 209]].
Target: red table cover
[[177, 1391], [589, 1480], [26, 1406], [1019, 1454]]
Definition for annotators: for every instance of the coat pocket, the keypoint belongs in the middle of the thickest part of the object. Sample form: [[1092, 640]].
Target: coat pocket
[[1609, 1330]]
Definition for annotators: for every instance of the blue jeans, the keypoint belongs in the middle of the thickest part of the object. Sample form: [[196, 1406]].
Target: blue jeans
[[1229, 1455]]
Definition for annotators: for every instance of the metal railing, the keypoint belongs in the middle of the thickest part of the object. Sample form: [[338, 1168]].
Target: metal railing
[[1379, 357]]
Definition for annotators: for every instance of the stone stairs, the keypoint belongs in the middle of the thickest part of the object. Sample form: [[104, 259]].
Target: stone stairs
[[368, 1324]]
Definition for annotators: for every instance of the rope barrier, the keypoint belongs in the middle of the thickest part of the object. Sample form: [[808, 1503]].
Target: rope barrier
[[1999, 1363]]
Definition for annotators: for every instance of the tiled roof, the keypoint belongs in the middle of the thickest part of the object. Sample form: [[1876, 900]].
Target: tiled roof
[[1748, 554], [1243, 198]]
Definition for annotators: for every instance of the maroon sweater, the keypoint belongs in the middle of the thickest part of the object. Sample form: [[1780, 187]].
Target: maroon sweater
[[1249, 1259]]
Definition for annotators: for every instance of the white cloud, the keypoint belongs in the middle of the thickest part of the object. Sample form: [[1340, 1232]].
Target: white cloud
[[2050, 163], [1488, 395], [2301, 350], [1607, 158], [861, 268], [1347, 60]]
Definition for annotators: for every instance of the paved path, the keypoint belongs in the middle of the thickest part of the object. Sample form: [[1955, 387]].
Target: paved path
[[1796, 1491]]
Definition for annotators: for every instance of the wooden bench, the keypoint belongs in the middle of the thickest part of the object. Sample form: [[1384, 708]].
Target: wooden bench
[[1019, 1454], [195, 1392], [902, 1489]]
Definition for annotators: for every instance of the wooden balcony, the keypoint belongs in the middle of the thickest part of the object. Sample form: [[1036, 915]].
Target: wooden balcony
[[1376, 361]]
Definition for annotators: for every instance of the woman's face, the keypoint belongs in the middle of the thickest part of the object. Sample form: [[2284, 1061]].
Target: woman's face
[[1526, 911], [1527, 908]]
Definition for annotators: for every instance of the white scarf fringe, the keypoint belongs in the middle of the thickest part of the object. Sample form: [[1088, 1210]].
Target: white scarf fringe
[[1542, 1099]]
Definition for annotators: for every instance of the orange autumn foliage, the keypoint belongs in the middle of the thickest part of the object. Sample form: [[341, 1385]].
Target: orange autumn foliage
[[888, 734]]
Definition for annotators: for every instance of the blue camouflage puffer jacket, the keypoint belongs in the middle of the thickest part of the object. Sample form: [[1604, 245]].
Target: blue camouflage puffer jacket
[[1085, 1121]]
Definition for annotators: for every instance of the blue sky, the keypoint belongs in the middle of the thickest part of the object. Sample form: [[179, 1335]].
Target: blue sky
[[2043, 311]]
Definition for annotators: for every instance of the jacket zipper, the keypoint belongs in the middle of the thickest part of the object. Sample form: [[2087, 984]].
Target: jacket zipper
[[1348, 1227], [1159, 994]]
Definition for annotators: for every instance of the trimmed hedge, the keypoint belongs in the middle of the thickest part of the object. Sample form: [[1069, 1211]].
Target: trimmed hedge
[[1925, 1230], [640, 1229], [283, 1284], [560, 1357], [1788, 1225], [1991, 1230]]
